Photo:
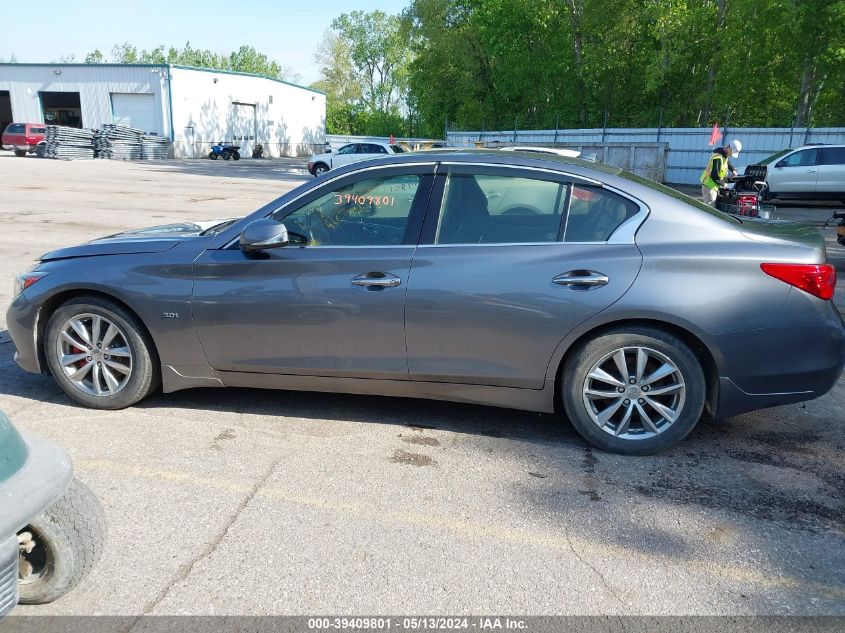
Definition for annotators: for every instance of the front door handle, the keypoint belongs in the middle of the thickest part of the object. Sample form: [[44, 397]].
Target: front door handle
[[585, 278], [376, 281]]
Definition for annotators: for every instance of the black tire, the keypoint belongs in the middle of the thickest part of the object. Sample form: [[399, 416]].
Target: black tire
[[145, 376], [20, 153], [236, 155], [320, 169], [212, 155], [69, 538], [226, 155], [582, 360]]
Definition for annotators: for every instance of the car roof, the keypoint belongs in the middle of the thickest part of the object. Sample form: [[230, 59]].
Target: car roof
[[555, 162]]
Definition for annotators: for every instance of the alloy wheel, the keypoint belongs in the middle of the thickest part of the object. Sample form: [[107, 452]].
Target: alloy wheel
[[94, 354], [634, 393]]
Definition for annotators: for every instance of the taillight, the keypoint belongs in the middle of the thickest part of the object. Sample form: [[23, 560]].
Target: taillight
[[817, 279]]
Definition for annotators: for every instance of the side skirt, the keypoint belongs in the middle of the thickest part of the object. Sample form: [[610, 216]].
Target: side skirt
[[175, 378]]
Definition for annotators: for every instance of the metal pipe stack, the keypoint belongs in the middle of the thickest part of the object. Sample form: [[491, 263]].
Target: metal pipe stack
[[67, 143], [153, 147], [118, 142]]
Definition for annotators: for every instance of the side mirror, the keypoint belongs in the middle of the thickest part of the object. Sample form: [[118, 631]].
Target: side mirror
[[263, 234], [780, 163]]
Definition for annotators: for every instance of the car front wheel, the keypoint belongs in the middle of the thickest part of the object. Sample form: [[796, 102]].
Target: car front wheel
[[635, 391], [320, 169], [100, 354]]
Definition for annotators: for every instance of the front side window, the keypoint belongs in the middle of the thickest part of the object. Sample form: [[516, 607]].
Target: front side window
[[804, 158], [594, 214], [372, 212], [486, 209], [346, 149]]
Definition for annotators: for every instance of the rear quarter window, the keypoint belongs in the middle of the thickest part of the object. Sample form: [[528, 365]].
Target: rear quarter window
[[38, 130], [594, 214]]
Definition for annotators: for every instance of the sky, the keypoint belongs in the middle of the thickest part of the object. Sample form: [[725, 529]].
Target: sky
[[284, 30]]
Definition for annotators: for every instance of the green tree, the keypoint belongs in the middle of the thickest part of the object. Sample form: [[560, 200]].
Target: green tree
[[95, 57]]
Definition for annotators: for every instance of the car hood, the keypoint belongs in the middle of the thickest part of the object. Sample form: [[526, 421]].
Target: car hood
[[154, 239]]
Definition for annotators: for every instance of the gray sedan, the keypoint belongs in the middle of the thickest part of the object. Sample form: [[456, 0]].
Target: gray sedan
[[515, 280]]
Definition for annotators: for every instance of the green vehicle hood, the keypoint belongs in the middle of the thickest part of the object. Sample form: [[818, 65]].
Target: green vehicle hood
[[13, 450]]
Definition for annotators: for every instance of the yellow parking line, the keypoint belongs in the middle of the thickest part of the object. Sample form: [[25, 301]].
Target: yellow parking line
[[762, 578]]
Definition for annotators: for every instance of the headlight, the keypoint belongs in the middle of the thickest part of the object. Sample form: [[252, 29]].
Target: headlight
[[24, 281]]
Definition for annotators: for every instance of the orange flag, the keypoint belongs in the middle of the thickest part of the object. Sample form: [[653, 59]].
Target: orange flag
[[715, 135]]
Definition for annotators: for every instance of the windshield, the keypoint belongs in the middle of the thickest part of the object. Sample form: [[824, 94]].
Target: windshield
[[774, 157]]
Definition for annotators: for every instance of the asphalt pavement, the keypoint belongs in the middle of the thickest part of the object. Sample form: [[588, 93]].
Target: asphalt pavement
[[239, 501]]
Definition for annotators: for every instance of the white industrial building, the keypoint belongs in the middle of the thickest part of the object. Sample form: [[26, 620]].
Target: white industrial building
[[193, 107]]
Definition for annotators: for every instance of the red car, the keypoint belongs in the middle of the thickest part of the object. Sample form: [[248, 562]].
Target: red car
[[23, 137]]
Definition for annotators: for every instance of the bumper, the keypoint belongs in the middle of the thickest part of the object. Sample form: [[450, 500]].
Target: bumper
[[22, 148], [800, 358], [43, 479], [8, 574], [22, 323]]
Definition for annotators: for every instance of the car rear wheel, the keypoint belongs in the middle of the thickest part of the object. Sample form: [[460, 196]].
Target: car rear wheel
[[61, 546], [100, 354], [635, 391]]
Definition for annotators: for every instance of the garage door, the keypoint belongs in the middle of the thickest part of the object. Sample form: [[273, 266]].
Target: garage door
[[136, 110]]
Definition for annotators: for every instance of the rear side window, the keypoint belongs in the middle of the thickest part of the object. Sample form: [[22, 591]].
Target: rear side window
[[487, 209], [15, 128], [594, 214], [832, 156], [374, 149], [804, 158]]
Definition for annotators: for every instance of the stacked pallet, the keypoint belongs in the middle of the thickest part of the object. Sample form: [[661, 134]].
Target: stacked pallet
[[153, 147], [68, 143], [118, 142]]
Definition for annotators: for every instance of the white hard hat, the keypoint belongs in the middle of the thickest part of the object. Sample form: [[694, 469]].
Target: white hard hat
[[736, 146]]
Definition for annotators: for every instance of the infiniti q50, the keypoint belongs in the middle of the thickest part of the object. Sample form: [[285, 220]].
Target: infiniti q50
[[516, 280]]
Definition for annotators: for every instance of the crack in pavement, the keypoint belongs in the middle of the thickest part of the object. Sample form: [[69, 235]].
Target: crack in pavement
[[186, 568], [595, 570]]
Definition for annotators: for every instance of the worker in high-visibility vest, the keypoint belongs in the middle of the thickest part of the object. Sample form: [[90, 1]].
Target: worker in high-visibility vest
[[717, 168]]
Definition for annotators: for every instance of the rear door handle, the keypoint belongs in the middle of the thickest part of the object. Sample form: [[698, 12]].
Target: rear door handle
[[585, 278], [376, 281]]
